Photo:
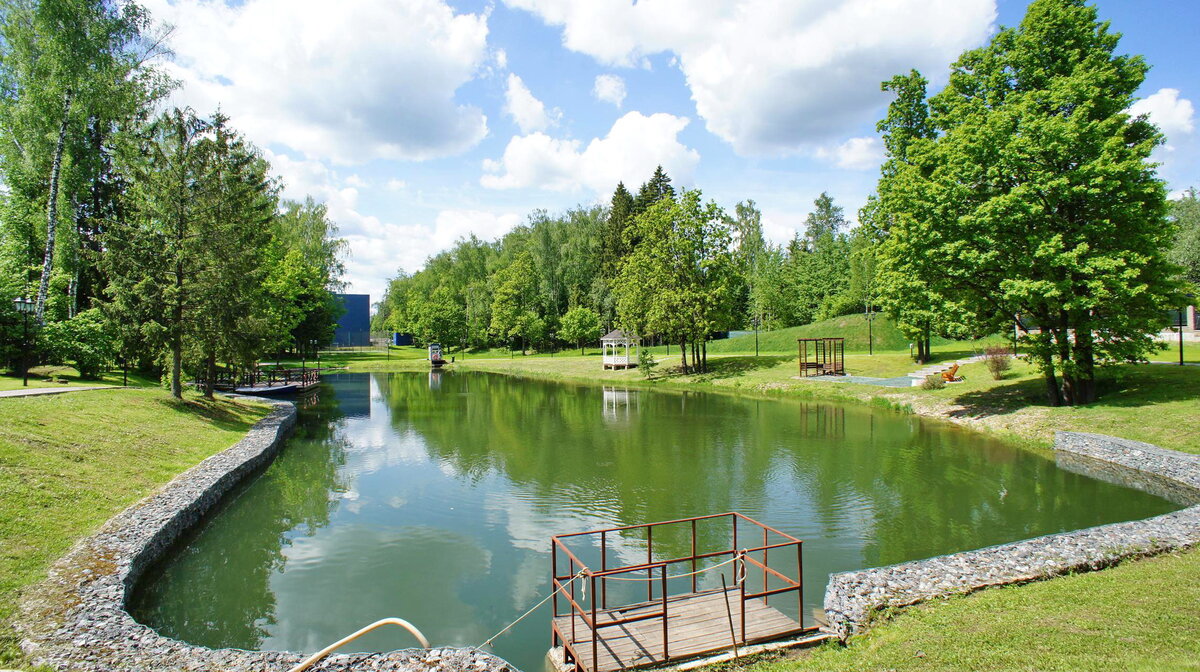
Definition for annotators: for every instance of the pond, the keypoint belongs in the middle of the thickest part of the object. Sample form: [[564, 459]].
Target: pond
[[432, 497]]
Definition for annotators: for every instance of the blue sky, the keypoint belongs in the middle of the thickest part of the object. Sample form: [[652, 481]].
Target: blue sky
[[421, 121]]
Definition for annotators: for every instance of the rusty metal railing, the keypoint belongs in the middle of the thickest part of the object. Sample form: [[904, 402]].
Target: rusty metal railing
[[743, 553]]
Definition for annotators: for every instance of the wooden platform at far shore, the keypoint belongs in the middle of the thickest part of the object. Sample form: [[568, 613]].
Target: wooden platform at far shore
[[698, 624]]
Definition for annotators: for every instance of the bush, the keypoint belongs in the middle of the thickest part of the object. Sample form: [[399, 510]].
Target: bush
[[83, 340], [646, 362], [998, 359], [934, 382]]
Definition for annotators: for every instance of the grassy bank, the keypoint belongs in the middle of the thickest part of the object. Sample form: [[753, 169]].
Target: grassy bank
[[69, 462], [1141, 615]]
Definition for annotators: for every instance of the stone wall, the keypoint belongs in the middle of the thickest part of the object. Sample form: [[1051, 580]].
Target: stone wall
[[852, 597], [76, 619]]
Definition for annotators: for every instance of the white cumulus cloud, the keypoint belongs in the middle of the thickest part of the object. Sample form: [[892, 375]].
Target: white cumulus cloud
[[348, 82], [635, 144], [770, 77], [609, 89], [527, 111], [854, 154], [1175, 116]]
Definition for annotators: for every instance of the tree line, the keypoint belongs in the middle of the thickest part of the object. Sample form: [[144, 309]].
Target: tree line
[[662, 264], [153, 237]]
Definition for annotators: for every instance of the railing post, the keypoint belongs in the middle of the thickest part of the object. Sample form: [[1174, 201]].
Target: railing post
[[743, 600], [649, 559], [571, 573], [604, 566], [595, 629], [766, 563], [666, 634], [554, 573], [800, 580], [693, 555]]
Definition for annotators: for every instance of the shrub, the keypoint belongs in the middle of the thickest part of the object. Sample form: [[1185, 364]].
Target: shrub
[[998, 359], [83, 340], [646, 362], [933, 382]]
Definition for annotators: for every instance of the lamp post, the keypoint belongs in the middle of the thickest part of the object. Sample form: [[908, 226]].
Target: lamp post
[[24, 307]]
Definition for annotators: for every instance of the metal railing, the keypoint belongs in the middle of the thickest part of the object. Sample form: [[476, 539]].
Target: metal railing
[[767, 543]]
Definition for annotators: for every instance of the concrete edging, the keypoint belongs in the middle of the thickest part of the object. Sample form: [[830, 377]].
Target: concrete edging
[[76, 619], [851, 598]]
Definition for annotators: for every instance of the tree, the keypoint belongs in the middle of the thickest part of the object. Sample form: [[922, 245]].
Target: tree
[[680, 280], [619, 212], [513, 300], [818, 266], [185, 266], [85, 340], [578, 325], [918, 311], [1185, 251], [235, 212], [656, 189], [1035, 198], [70, 70]]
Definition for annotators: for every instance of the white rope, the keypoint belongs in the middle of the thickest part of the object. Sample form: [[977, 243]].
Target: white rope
[[737, 558], [739, 576], [534, 608]]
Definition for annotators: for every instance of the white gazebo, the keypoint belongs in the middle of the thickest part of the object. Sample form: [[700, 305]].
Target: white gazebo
[[620, 350]]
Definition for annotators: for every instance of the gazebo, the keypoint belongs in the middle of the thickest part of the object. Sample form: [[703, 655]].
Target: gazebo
[[620, 350]]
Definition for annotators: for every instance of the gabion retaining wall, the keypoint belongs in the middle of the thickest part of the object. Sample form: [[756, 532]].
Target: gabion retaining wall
[[76, 619], [852, 597]]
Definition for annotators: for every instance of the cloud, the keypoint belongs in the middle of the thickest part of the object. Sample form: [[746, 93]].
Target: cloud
[[349, 83], [635, 144], [377, 247], [527, 111], [854, 154], [395, 185], [610, 89], [775, 78], [1173, 115]]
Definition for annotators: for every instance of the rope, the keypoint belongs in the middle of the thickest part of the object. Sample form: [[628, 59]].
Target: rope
[[741, 572], [739, 575], [534, 608]]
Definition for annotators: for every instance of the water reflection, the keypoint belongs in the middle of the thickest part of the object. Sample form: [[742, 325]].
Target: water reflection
[[433, 496]]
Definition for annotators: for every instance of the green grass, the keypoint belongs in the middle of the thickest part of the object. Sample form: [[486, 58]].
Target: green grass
[[1139, 616], [66, 376], [69, 462]]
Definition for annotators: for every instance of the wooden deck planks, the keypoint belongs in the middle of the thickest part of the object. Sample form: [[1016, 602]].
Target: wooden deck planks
[[697, 623]]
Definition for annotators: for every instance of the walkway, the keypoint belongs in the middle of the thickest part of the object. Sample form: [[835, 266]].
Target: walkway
[[40, 391]]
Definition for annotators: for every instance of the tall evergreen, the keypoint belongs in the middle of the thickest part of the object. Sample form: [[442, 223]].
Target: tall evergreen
[[653, 191]]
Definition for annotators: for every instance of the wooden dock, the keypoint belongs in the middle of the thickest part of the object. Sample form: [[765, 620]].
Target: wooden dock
[[698, 623]]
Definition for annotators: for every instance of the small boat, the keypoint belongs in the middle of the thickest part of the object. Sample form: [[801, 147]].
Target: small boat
[[435, 356]]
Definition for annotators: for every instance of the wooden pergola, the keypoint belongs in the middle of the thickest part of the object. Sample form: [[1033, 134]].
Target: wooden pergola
[[620, 349], [828, 356]]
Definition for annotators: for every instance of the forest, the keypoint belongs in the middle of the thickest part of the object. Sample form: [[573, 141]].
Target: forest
[[146, 236]]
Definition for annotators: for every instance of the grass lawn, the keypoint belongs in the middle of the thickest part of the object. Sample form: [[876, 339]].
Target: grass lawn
[[66, 376], [69, 462], [1140, 615]]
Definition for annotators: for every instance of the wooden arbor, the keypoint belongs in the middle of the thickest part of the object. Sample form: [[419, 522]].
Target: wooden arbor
[[828, 356], [620, 350]]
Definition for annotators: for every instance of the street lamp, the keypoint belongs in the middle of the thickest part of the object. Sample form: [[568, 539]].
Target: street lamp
[[25, 307]]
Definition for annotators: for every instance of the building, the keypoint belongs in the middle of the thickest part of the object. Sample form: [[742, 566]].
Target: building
[[354, 326]]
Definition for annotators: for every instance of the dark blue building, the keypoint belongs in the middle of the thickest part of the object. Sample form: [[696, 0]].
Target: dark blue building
[[354, 326]]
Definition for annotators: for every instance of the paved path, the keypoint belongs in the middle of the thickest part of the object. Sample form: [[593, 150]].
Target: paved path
[[39, 391]]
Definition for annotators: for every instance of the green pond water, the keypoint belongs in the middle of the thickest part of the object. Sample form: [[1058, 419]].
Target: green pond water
[[432, 497]]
